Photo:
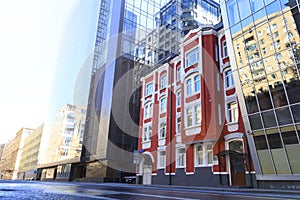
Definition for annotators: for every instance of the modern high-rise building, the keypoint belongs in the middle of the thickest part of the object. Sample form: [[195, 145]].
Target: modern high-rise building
[[263, 44], [131, 36]]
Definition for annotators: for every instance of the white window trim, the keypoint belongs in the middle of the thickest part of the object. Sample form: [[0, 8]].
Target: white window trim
[[228, 112], [193, 107], [188, 56], [159, 130], [178, 131], [148, 133], [178, 74], [160, 105], [177, 157], [146, 89], [225, 80], [148, 105], [223, 49], [159, 157], [204, 154], [192, 78], [163, 81], [178, 105]]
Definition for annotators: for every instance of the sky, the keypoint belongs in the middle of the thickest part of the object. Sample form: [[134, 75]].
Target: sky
[[30, 38]]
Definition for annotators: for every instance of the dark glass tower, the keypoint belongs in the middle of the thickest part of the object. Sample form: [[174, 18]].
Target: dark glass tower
[[264, 40]]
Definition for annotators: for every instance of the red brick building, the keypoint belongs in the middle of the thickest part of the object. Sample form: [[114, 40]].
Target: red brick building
[[191, 129]]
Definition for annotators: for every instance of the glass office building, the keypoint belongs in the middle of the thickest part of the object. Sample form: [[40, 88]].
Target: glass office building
[[265, 58], [126, 30]]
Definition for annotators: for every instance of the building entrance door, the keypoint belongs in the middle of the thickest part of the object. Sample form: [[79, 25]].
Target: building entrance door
[[237, 171], [236, 160], [146, 165], [147, 176]]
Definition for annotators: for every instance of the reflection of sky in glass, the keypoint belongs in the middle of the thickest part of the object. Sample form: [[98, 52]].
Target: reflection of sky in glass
[[73, 66]]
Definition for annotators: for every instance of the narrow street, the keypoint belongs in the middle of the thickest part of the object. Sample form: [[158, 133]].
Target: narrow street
[[65, 190]]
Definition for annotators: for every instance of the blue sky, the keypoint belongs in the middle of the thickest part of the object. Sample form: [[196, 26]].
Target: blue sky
[[31, 41]]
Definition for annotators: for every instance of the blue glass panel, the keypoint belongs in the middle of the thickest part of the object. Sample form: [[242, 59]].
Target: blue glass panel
[[244, 8], [256, 5], [232, 12], [259, 15], [273, 8]]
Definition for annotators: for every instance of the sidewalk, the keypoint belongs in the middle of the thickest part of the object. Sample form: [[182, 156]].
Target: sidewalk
[[231, 189]]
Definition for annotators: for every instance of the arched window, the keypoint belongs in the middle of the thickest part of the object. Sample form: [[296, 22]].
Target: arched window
[[163, 82], [236, 145], [163, 105]]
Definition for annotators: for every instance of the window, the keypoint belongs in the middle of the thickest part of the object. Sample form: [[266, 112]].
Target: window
[[232, 112], [149, 89], [180, 157], [163, 105], [229, 81], [209, 154], [162, 159], [274, 26], [147, 133], [189, 113], [189, 87], [148, 110], [178, 99], [197, 83], [199, 155], [178, 125], [162, 130], [204, 154], [193, 85], [193, 116], [198, 114], [163, 81], [178, 75], [225, 49], [192, 57]]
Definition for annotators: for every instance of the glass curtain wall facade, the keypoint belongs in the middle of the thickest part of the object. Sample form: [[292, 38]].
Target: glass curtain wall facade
[[125, 46], [264, 49]]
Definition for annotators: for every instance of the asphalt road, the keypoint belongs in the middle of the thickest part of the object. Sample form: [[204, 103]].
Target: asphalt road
[[73, 190]]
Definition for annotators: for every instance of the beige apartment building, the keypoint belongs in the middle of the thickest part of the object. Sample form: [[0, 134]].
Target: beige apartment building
[[11, 156], [29, 158]]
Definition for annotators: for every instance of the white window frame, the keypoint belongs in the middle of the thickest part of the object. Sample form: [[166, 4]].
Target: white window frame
[[189, 87], [178, 74], [180, 158], [228, 79], [147, 133], [232, 113], [147, 90], [163, 105], [205, 154], [197, 81], [193, 115], [192, 54], [161, 164], [198, 118], [163, 81], [224, 49], [178, 98], [190, 84], [162, 130], [178, 125], [148, 110]]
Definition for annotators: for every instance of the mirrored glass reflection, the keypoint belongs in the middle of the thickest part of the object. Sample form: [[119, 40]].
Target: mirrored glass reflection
[[292, 84]]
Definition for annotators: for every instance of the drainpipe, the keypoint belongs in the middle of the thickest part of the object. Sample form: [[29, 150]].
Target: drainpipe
[[171, 122]]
